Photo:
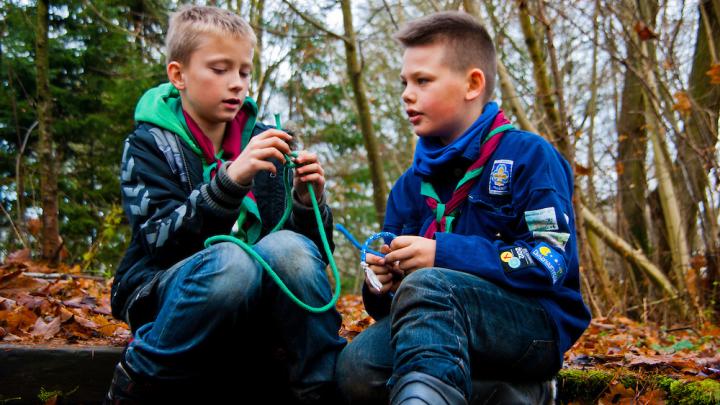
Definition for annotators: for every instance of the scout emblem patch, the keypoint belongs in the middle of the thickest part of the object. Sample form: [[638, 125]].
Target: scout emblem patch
[[500, 177]]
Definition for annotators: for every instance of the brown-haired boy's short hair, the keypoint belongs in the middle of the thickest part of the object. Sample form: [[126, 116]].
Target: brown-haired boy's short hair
[[189, 23], [468, 44]]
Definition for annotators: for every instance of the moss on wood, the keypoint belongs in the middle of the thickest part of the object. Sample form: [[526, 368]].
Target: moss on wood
[[587, 386]]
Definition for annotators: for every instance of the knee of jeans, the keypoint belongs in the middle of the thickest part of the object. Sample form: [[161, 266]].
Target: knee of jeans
[[234, 277], [294, 255], [287, 243], [427, 278]]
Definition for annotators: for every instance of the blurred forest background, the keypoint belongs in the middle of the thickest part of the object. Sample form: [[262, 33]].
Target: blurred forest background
[[627, 90]]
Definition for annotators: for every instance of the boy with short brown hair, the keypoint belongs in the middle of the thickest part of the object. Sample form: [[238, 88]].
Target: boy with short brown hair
[[482, 282], [198, 165]]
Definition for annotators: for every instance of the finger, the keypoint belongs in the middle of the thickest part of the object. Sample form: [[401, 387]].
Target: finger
[[401, 242], [272, 132], [385, 249], [372, 259], [273, 142], [409, 265], [267, 153], [379, 269], [317, 180], [399, 254], [384, 278], [304, 157], [310, 168]]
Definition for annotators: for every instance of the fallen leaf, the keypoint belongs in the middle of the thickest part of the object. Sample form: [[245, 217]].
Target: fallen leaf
[[46, 330]]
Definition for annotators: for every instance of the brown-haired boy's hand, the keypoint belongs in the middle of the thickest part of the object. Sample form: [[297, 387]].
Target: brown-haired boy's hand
[[412, 253], [309, 171], [388, 273], [256, 155]]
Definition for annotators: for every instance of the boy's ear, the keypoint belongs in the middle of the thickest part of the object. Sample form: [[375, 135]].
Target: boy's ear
[[175, 75], [475, 84]]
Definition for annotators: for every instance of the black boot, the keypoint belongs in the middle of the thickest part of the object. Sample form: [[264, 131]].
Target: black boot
[[126, 390], [417, 388]]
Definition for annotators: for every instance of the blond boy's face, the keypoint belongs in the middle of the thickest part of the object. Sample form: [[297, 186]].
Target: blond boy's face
[[434, 95], [214, 82]]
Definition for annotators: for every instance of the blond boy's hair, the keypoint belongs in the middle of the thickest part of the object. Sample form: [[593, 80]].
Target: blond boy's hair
[[190, 23], [467, 43]]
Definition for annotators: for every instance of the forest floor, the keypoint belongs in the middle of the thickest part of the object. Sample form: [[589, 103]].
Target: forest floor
[[617, 360]]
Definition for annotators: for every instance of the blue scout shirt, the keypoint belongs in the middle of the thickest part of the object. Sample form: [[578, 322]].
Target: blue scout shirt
[[516, 228]]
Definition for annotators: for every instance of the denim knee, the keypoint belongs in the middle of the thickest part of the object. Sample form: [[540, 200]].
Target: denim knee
[[430, 280], [293, 256], [234, 280]]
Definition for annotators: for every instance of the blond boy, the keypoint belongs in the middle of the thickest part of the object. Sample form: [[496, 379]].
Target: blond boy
[[197, 165]]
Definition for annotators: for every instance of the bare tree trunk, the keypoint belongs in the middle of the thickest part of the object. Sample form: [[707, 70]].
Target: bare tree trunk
[[509, 94], [46, 153], [663, 170], [558, 135], [632, 147], [598, 265], [355, 74], [630, 163], [697, 150], [257, 8]]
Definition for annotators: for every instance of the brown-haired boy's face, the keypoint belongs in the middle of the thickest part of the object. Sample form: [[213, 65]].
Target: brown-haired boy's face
[[435, 94], [214, 82]]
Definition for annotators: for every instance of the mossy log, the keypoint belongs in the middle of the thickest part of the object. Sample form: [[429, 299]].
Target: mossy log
[[587, 386]]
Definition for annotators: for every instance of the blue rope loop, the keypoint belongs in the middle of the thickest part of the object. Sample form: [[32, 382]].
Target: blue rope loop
[[387, 236]]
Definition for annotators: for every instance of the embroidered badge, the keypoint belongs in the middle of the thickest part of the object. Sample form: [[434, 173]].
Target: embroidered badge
[[550, 260], [515, 258], [500, 176], [541, 220], [556, 239]]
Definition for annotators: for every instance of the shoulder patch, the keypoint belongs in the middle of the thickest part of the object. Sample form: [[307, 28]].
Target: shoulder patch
[[515, 258], [541, 220], [550, 260], [500, 177]]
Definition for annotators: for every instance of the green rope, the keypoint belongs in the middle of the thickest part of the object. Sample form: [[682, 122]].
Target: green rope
[[289, 165]]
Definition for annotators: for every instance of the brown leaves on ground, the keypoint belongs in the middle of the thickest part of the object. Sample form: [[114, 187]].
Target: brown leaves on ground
[[35, 310], [354, 317], [684, 351], [65, 308]]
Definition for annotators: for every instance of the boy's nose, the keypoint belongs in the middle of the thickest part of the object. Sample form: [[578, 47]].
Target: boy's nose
[[236, 83], [408, 96]]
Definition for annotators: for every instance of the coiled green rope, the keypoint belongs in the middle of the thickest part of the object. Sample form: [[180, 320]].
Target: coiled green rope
[[289, 165]]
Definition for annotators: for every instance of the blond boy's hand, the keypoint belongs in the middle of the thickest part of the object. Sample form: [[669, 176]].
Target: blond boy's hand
[[309, 171], [256, 156], [387, 273], [412, 253]]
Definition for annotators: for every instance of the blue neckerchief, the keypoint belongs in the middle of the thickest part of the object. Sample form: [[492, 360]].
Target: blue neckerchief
[[431, 154]]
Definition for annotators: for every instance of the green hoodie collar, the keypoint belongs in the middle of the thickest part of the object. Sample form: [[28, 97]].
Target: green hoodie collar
[[162, 106]]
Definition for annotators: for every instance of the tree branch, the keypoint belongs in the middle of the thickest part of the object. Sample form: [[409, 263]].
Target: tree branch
[[317, 24]]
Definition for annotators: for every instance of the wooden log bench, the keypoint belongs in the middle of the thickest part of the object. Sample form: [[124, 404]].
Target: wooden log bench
[[82, 374]]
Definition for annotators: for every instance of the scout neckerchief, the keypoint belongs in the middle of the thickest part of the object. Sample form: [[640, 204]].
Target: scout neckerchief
[[446, 213], [249, 224]]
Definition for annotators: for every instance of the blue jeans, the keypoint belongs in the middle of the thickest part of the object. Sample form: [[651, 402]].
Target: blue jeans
[[456, 327], [219, 304]]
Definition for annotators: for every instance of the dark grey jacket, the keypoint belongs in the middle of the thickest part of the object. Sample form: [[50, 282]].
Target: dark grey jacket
[[172, 211]]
